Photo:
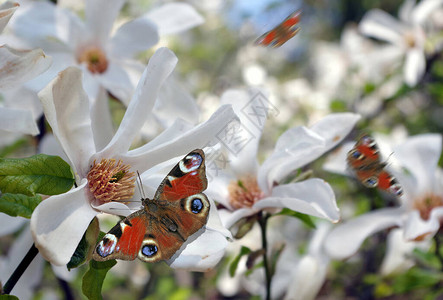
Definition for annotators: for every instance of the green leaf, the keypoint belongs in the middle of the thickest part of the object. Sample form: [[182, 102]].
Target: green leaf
[[8, 297], [233, 267], [306, 219], [416, 278], [86, 245], [19, 205], [93, 279], [41, 173]]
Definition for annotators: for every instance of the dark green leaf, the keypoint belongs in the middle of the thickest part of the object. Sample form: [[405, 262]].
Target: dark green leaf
[[416, 278], [19, 205], [93, 280], [8, 297], [86, 245], [41, 173], [306, 219], [233, 267]]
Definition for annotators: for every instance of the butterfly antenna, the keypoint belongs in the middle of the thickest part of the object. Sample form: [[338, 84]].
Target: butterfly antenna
[[140, 186]]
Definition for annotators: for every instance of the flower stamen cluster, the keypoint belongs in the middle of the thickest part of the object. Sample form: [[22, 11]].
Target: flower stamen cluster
[[244, 192]]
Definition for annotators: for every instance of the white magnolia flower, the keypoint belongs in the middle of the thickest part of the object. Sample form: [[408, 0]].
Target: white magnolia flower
[[7, 9], [248, 188], [407, 34], [106, 58], [59, 222], [421, 207]]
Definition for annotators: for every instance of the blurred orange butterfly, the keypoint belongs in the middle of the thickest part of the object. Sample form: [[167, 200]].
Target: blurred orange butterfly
[[282, 32]]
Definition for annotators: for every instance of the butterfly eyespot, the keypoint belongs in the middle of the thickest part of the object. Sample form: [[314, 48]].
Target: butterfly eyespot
[[356, 154], [190, 163], [196, 204], [371, 182], [149, 250], [396, 189], [106, 245]]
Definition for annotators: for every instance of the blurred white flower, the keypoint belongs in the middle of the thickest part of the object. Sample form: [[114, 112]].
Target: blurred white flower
[[66, 108], [408, 33], [421, 203], [247, 188]]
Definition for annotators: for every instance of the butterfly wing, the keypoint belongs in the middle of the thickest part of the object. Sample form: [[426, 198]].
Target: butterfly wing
[[282, 32]]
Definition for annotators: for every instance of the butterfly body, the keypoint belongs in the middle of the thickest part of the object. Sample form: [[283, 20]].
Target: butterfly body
[[364, 159], [282, 32], [160, 228]]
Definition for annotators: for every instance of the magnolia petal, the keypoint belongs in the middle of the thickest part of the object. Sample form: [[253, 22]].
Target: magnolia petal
[[229, 218], [117, 81], [158, 69], [415, 228], [405, 10], [307, 279], [7, 9], [18, 120], [17, 66], [313, 197], [345, 239], [174, 17], [214, 222], [420, 155], [198, 137], [202, 254], [9, 225], [423, 9], [66, 108], [241, 139], [398, 257], [59, 222], [133, 37], [101, 122], [218, 183], [295, 148], [415, 66], [336, 161], [100, 17], [335, 127], [381, 25]]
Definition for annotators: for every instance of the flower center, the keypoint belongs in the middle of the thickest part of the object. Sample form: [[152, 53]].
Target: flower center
[[410, 39], [244, 192], [95, 59], [111, 181], [426, 204]]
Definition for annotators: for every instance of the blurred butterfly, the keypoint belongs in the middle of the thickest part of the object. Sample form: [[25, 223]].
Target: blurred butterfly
[[364, 159], [282, 32]]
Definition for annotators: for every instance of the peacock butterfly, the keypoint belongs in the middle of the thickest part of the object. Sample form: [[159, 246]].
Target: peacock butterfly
[[158, 230], [364, 159], [282, 32]]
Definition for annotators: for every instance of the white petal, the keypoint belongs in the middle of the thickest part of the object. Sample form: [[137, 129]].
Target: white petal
[[295, 148], [415, 66], [18, 120], [66, 108], [174, 18], [229, 218], [241, 139], [313, 197], [101, 121], [100, 17], [420, 155], [7, 9], [381, 25], [202, 254], [405, 10], [133, 37], [336, 161], [59, 222], [345, 239], [423, 9], [335, 127], [218, 186], [198, 137], [214, 222], [308, 278], [158, 69], [398, 257], [17, 66], [117, 81], [9, 225], [415, 228]]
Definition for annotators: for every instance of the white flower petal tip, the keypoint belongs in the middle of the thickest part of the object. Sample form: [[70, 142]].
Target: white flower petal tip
[[18, 120], [174, 18], [7, 9], [18, 66]]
